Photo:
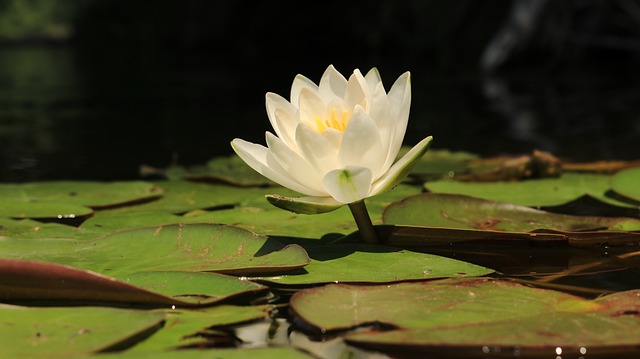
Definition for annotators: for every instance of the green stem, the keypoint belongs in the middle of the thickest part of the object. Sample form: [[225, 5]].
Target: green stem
[[365, 226]]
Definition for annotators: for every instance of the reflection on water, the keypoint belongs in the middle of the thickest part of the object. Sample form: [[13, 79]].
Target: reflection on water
[[63, 115]]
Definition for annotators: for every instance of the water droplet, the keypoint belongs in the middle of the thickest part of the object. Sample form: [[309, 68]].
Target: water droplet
[[485, 349], [583, 350], [173, 307], [558, 350]]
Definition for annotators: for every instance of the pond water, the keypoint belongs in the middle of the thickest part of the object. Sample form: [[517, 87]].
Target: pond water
[[63, 115]]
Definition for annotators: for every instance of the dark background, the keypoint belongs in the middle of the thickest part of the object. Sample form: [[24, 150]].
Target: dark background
[[93, 89]]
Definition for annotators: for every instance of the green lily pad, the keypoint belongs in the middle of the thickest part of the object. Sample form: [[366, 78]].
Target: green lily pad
[[472, 315], [464, 212], [184, 196], [231, 170], [27, 228], [89, 194], [627, 183], [68, 332], [193, 247], [546, 192], [42, 210], [442, 163], [29, 281], [349, 262], [259, 216], [182, 327]]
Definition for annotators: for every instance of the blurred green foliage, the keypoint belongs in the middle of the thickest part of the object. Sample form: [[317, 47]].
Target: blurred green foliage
[[49, 20]]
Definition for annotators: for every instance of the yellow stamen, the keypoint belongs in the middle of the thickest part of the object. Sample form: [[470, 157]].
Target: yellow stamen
[[337, 121]]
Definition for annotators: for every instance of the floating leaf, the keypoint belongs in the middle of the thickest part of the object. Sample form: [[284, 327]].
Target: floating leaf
[[183, 327], [193, 247], [349, 262], [473, 315], [546, 192], [89, 194], [29, 281], [42, 210], [69, 332], [443, 163], [259, 216], [27, 228], [184, 196], [231, 170], [463, 212], [627, 183]]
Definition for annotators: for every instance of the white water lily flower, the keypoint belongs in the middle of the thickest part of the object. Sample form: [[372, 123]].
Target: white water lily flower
[[335, 142]]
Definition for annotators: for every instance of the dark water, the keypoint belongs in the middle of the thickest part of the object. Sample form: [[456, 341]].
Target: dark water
[[65, 116]]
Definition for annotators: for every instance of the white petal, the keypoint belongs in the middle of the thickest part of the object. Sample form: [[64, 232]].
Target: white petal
[[332, 84], [401, 169], [361, 145], [293, 164], [316, 150], [311, 107], [373, 78], [333, 136], [349, 184], [261, 160], [357, 91], [283, 117], [399, 104], [304, 205], [300, 82]]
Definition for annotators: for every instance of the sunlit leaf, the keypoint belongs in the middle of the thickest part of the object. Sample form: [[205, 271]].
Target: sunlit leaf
[[467, 315], [545, 192], [183, 326], [464, 212], [351, 262], [69, 332], [41, 282], [89, 194], [194, 247], [627, 183]]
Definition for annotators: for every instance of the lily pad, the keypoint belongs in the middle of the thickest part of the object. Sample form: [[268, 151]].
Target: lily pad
[[184, 196], [184, 327], [546, 192], [89, 194], [464, 212], [193, 247], [259, 216], [627, 183], [230, 170], [70, 332], [348, 262], [441, 163], [473, 315], [27, 228], [42, 210], [29, 281]]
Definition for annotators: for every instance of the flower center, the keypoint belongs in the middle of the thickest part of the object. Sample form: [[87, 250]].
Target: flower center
[[337, 119]]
